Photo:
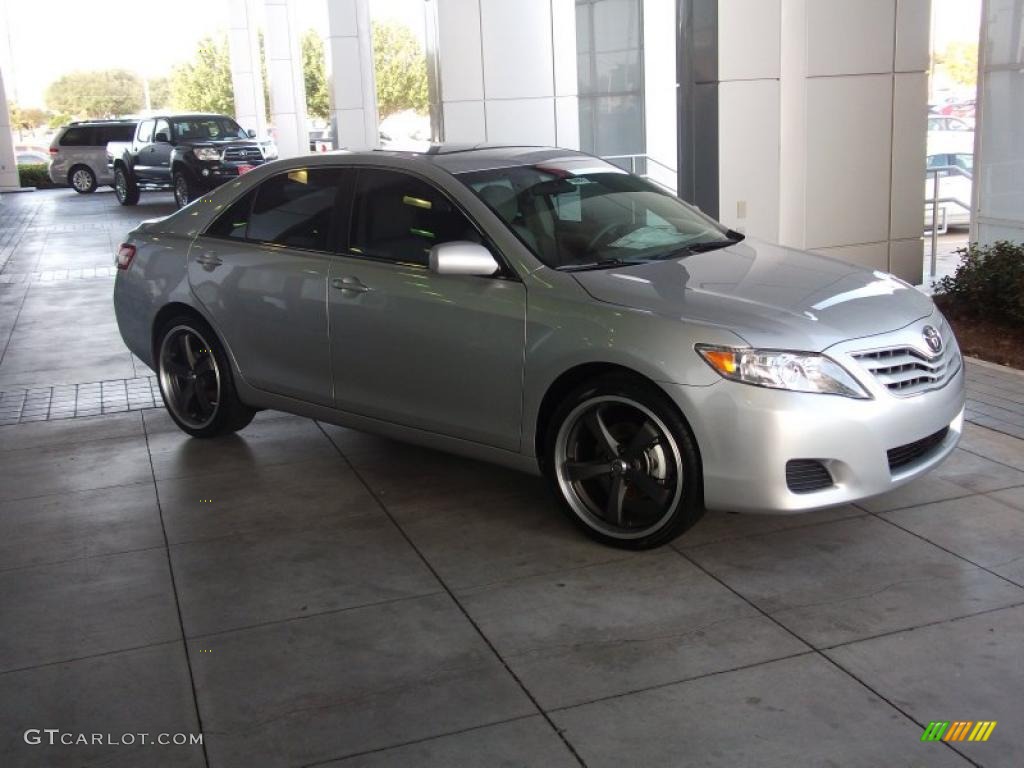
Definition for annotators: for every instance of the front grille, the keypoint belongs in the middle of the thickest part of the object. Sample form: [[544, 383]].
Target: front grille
[[807, 475], [903, 455], [243, 155], [907, 371]]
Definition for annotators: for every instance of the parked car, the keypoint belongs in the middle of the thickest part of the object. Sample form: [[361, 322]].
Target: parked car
[[951, 156], [189, 153], [947, 123], [78, 153], [31, 157], [962, 108], [546, 310]]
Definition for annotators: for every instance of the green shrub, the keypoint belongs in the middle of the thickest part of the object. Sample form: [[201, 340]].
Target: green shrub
[[989, 283], [35, 175]]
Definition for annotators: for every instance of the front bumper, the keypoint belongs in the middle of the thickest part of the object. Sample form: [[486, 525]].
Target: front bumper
[[747, 434]]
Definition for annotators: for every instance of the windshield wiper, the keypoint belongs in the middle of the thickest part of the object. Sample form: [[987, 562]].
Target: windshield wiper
[[731, 238], [602, 264]]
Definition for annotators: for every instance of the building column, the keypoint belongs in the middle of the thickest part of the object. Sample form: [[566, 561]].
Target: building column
[[246, 74], [287, 85], [507, 71], [353, 90], [9, 179]]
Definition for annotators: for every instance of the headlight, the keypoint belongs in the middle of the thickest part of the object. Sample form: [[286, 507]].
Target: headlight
[[779, 369], [269, 151], [206, 153]]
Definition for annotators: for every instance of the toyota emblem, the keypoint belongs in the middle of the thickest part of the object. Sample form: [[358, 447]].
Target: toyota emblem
[[932, 339]]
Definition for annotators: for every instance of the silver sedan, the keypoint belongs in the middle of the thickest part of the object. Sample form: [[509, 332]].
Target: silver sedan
[[545, 310]]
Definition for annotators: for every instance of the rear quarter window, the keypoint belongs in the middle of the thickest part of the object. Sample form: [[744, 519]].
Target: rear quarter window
[[78, 136]]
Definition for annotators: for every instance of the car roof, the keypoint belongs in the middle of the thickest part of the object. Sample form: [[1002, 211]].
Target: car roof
[[461, 158]]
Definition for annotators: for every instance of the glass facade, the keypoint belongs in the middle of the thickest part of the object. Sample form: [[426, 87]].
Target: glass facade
[[609, 50]]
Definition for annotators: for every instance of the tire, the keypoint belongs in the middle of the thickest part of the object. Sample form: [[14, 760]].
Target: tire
[[125, 187], [195, 379], [82, 179], [184, 189], [624, 463]]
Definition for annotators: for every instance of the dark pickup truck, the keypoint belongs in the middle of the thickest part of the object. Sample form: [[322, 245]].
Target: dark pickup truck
[[190, 154]]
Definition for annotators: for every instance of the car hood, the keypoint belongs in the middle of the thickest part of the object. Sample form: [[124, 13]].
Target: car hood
[[771, 296]]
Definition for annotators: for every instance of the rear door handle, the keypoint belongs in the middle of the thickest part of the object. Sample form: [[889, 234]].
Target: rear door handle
[[208, 261], [350, 284]]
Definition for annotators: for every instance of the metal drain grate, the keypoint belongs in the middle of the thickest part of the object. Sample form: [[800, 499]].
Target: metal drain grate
[[69, 401]]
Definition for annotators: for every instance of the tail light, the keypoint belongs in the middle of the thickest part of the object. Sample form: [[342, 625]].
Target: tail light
[[54, 150], [125, 255]]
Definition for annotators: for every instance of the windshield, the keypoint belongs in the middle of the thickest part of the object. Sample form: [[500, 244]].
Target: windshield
[[208, 128], [593, 216]]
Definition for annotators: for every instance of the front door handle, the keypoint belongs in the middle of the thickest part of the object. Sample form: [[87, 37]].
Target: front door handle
[[350, 284]]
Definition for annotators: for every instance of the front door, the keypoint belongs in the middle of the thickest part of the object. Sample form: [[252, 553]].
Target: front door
[[160, 155], [261, 271], [443, 353]]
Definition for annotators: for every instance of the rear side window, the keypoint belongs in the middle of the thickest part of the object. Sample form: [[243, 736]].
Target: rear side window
[[78, 136], [115, 133], [400, 218], [232, 224], [296, 208]]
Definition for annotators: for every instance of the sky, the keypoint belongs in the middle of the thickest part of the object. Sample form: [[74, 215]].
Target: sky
[[60, 36], [51, 39]]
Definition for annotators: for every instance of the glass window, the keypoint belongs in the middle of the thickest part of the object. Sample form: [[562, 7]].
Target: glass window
[[586, 215], [145, 131], [400, 218], [77, 136], [964, 162], [205, 128], [162, 131], [116, 132], [233, 222], [296, 209]]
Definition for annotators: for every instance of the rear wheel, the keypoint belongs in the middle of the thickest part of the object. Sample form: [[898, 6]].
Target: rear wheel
[[624, 463], [195, 380], [82, 180], [125, 188]]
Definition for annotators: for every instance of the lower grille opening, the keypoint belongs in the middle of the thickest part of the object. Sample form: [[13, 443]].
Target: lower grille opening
[[903, 455], [807, 475]]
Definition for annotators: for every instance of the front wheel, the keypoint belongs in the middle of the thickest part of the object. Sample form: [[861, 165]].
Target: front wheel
[[624, 463], [195, 380], [184, 189], [125, 188]]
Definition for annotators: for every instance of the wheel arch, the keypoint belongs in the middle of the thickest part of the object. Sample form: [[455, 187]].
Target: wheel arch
[[167, 311], [76, 166]]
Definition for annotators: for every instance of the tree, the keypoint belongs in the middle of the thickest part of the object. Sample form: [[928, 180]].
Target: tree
[[959, 60], [204, 84], [400, 68], [26, 118], [159, 92], [102, 93], [314, 70]]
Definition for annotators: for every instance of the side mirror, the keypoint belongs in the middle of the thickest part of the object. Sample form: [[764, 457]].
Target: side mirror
[[162, 138], [251, 133], [461, 257]]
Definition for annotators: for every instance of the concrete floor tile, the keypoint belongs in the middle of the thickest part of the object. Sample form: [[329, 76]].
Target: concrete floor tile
[[69, 432], [264, 500], [995, 445], [852, 579], [610, 629], [343, 683], [116, 366], [526, 743], [979, 528], [52, 469], [794, 712], [85, 607], [970, 669], [978, 474], [722, 526], [1012, 496], [241, 581], [141, 691], [265, 442], [49, 529], [924, 490]]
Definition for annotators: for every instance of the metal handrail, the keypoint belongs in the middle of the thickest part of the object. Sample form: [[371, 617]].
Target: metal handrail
[[936, 201]]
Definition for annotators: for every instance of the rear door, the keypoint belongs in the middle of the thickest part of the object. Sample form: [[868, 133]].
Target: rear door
[[261, 270]]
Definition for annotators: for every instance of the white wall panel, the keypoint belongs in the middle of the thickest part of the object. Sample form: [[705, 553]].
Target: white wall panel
[[913, 29], [660, 107], [908, 154], [563, 37], [748, 39], [906, 259], [848, 160], [850, 36], [464, 121], [748, 152], [521, 121], [516, 48], [459, 41], [1003, 28], [567, 122]]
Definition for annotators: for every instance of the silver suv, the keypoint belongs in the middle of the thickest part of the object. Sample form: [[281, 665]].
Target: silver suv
[[78, 153]]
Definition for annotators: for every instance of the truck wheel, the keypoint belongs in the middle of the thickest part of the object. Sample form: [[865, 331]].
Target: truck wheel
[[125, 188], [184, 189], [82, 179]]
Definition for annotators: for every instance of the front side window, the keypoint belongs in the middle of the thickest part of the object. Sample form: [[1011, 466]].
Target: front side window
[[162, 131], [591, 215], [205, 128], [145, 131], [296, 208], [400, 218]]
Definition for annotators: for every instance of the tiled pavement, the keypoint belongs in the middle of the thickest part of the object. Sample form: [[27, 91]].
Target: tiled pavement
[[306, 595]]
